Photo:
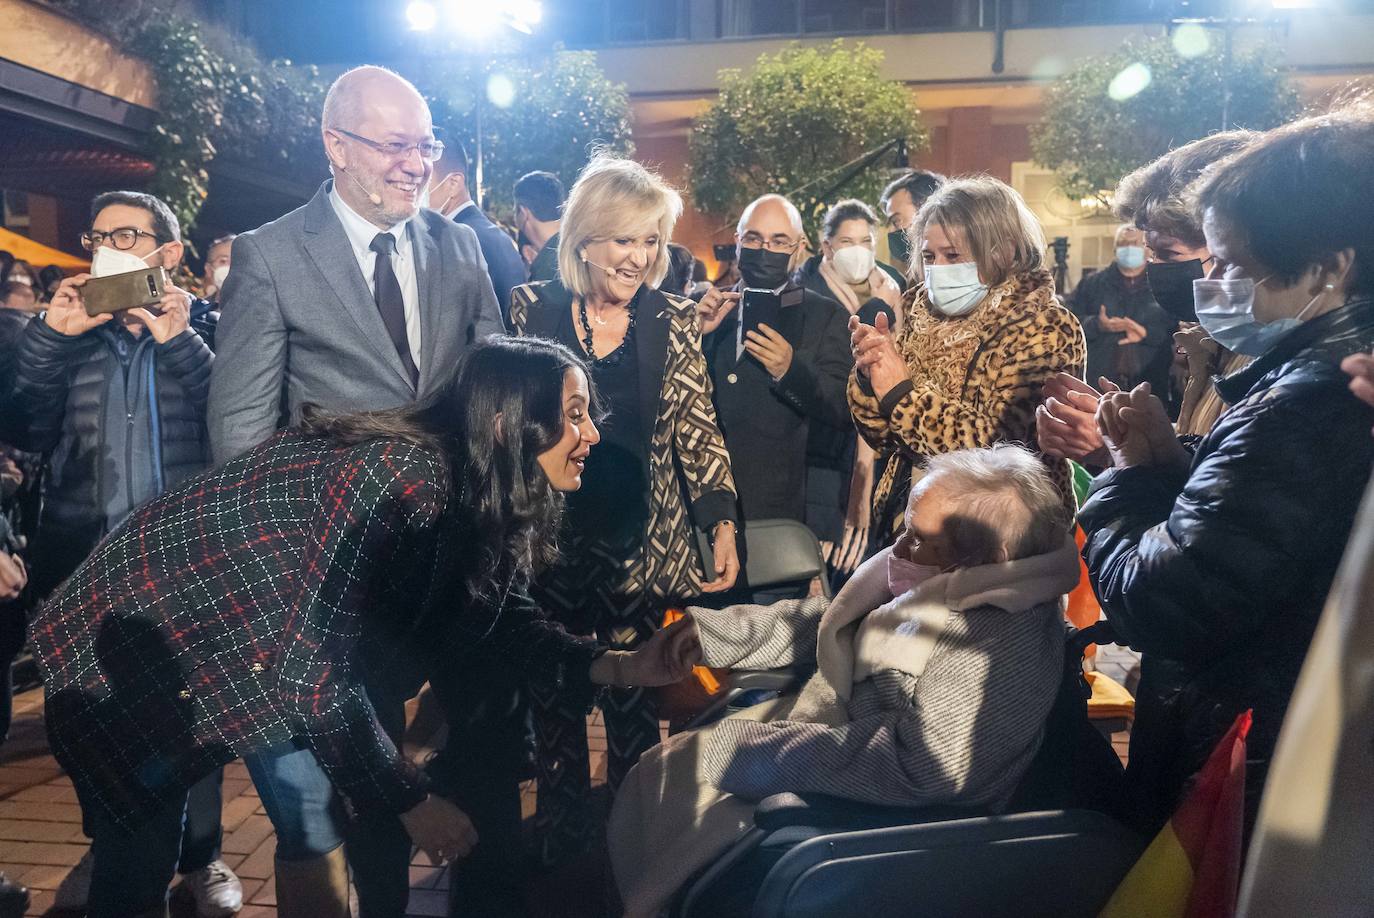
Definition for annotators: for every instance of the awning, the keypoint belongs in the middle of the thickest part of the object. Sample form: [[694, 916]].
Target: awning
[[39, 255]]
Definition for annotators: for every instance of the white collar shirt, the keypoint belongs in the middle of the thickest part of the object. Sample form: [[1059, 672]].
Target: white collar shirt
[[360, 233]]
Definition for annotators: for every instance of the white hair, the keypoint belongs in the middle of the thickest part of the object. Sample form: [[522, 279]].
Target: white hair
[[1005, 506], [343, 103], [793, 215]]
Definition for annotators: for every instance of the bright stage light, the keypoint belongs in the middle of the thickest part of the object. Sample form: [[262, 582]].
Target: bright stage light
[[527, 12], [421, 15]]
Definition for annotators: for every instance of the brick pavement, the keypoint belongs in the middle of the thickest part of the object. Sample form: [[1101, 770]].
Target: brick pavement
[[41, 839]]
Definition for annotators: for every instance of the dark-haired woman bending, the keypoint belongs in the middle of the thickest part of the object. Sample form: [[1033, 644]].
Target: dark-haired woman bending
[[246, 609]]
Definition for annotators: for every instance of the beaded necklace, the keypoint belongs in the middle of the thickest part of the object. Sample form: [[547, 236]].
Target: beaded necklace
[[615, 356]]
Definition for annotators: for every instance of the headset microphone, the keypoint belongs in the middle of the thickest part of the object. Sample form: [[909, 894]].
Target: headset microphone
[[372, 196], [610, 272]]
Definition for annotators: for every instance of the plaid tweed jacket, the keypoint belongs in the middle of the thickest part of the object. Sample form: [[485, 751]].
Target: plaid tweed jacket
[[248, 607]]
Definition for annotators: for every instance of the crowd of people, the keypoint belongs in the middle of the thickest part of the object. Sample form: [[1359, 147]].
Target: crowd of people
[[387, 442]]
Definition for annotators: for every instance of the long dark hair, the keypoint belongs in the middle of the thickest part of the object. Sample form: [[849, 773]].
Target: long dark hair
[[505, 505]]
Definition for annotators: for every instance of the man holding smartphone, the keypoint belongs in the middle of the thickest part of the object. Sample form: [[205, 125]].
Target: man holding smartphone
[[779, 362], [116, 402]]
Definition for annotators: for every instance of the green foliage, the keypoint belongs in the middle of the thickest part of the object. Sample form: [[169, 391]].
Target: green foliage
[[795, 116], [1091, 140], [563, 107], [214, 93]]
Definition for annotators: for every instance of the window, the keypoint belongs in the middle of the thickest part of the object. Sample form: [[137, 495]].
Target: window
[[914, 15], [743, 18], [838, 16], [16, 210], [637, 21]]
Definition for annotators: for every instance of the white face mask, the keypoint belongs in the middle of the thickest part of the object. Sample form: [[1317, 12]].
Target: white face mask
[[955, 289], [218, 275], [107, 261], [22, 279], [1226, 311], [853, 263]]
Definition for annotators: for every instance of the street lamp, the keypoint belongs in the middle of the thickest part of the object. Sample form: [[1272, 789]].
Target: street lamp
[[477, 21]]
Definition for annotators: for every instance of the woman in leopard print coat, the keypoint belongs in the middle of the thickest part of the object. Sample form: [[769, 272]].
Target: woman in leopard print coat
[[967, 367]]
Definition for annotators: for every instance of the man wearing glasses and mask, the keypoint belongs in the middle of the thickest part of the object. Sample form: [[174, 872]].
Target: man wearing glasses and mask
[[116, 403], [777, 373]]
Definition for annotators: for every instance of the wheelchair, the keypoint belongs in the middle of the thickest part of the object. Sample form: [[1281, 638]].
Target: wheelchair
[[1059, 849]]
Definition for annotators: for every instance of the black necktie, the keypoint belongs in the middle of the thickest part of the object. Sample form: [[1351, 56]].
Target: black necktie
[[386, 289]]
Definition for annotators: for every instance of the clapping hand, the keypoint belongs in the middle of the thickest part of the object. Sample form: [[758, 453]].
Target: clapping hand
[[1066, 422], [1361, 370], [875, 354], [1132, 331], [1136, 429]]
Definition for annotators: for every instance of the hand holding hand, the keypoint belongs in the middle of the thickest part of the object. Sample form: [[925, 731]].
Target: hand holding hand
[[769, 348], [727, 560], [713, 307], [665, 658], [66, 313], [173, 316], [439, 829]]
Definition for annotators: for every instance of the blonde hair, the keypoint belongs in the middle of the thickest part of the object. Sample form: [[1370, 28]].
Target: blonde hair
[[612, 197], [1003, 236]]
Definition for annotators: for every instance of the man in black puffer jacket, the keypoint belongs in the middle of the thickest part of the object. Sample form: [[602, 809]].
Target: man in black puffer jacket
[[1216, 565], [116, 403]]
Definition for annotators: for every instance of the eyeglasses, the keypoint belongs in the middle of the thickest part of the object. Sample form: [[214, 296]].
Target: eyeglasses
[[429, 150], [752, 240], [121, 237]]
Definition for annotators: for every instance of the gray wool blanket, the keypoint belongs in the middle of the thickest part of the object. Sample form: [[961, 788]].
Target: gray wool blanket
[[936, 696]]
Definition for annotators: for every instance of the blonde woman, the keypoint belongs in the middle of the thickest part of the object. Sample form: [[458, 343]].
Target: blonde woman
[[982, 334], [628, 548]]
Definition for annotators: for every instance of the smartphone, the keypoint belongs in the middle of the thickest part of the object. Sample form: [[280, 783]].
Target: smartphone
[[759, 307], [124, 291], [724, 253]]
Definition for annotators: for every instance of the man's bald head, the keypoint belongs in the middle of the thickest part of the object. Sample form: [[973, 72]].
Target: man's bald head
[[350, 98], [771, 208]]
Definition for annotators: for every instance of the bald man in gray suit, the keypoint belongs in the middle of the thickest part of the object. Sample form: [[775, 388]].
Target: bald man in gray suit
[[360, 300], [304, 319]]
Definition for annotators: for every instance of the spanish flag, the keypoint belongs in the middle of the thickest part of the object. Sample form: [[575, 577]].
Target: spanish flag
[[1192, 868]]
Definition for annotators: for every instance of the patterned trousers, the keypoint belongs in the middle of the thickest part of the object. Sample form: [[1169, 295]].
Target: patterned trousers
[[566, 823]]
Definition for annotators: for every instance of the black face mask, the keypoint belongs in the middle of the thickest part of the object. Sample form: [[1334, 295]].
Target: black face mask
[[899, 244], [762, 268], [1171, 284]]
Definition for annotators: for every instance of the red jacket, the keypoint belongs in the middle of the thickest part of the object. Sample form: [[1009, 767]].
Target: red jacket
[[249, 605]]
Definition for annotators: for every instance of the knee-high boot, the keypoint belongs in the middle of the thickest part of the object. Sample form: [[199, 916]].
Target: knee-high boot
[[317, 888]]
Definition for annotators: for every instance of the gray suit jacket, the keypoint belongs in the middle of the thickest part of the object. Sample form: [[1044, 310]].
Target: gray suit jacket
[[299, 326]]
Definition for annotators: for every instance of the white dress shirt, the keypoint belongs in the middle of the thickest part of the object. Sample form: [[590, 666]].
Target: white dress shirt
[[360, 234]]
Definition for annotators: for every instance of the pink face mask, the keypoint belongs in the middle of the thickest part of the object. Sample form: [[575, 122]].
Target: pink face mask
[[904, 575]]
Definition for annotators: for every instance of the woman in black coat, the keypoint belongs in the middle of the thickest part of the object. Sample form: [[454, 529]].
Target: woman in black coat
[[1214, 559], [253, 606]]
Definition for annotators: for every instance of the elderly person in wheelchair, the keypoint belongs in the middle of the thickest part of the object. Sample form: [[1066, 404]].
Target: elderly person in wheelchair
[[938, 664]]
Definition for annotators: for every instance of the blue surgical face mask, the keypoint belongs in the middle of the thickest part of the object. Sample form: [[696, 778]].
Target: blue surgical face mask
[[955, 289], [1226, 311], [1130, 257]]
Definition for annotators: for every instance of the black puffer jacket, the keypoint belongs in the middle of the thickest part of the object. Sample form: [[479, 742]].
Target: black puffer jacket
[[1218, 573], [61, 405]]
